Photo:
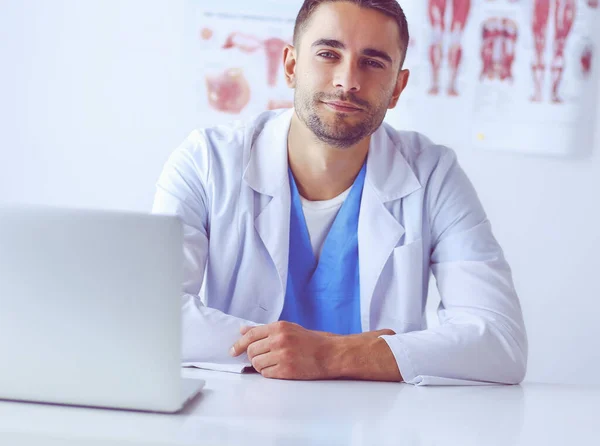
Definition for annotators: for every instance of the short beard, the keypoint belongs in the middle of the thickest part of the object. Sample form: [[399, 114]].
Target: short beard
[[342, 137]]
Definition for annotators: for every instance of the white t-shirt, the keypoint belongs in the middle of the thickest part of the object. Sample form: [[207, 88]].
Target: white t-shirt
[[319, 216]]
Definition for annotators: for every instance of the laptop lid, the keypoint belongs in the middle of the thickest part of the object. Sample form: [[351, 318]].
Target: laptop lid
[[90, 308]]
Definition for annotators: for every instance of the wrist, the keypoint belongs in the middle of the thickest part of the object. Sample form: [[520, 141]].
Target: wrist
[[335, 346], [365, 356], [346, 354]]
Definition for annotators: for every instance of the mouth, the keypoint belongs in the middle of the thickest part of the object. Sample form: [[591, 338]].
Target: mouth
[[345, 107]]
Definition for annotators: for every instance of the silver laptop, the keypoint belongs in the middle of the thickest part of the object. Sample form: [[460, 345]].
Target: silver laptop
[[90, 309]]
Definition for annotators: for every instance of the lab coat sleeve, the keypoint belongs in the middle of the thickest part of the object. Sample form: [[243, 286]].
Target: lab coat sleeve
[[481, 338], [207, 334]]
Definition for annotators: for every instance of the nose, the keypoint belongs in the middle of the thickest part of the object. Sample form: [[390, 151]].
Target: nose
[[347, 77]]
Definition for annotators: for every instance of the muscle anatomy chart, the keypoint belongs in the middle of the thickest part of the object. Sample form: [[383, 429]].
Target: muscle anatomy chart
[[537, 67], [564, 17], [239, 64], [451, 28]]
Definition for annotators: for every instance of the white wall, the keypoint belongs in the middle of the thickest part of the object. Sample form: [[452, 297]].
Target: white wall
[[94, 96], [96, 100], [546, 214]]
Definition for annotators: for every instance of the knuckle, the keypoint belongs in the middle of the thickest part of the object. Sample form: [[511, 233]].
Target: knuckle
[[281, 325], [285, 338], [277, 341]]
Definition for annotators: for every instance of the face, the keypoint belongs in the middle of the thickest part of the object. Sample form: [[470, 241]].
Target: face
[[346, 72]]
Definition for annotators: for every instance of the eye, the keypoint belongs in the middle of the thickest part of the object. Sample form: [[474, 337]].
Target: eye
[[373, 63], [327, 55]]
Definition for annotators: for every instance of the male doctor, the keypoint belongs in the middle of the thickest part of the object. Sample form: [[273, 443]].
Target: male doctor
[[310, 233]]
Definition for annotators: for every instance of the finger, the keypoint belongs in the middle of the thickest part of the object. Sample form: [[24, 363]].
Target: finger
[[245, 329], [258, 348], [271, 372], [262, 362], [253, 335]]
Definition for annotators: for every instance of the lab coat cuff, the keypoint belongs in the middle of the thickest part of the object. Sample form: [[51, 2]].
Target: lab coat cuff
[[405, 364]]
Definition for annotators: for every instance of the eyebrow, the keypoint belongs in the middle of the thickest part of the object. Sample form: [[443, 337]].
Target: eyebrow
[[371, 52]]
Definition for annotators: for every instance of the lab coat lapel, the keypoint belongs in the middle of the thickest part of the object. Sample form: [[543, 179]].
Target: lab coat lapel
[[389, 178], [267, 174]]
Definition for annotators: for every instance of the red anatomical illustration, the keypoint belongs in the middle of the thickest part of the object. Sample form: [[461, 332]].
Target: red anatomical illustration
[[228, 92], [437, 17], [564, 16], [273, 48], [586, 60], [499, 41]]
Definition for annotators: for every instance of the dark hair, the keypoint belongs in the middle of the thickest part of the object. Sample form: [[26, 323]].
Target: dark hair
[[390, 8]]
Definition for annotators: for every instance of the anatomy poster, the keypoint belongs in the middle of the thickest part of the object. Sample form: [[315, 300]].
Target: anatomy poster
[[240, 73], [511, 75], [535, 89], [441, 58]]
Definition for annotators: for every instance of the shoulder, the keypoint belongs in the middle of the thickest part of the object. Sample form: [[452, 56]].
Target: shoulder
[[422, 154], [219, 147], [446, 187], [435, 166]]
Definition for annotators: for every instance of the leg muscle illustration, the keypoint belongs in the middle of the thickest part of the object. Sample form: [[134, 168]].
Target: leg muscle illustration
[[564, 16], [437, 17], [541, 13], [460, 13], [437, 13]]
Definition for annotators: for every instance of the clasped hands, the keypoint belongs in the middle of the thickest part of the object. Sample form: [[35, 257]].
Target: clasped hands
[[284, 350]]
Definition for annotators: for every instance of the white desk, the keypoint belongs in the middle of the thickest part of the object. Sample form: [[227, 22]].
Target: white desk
[[251, 410]]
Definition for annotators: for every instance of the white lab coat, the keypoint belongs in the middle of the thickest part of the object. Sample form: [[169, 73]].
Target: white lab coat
[[419, 213]]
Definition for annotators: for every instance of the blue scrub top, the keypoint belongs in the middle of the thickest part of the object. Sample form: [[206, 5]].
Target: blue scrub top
[[325, 295]]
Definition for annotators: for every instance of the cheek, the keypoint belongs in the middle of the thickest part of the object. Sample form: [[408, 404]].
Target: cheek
[[307, 84], [316, 74], [385, 92]]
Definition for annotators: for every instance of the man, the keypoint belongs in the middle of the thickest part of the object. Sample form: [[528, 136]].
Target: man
[[310, 233]]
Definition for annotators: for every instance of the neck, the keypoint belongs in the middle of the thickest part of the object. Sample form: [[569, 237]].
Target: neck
[[322, 172]]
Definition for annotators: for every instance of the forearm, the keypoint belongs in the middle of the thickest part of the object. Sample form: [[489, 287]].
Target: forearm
[[364, 356]]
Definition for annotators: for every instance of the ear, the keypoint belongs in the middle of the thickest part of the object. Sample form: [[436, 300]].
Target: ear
[[289, 65], [401, 83]]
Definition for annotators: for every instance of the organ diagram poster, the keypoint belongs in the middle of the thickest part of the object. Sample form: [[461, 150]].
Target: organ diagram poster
[[511, 75], [241, 68]]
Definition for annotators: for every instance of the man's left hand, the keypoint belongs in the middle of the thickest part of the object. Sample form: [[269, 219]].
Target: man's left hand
[[285, 350]]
